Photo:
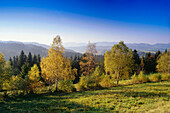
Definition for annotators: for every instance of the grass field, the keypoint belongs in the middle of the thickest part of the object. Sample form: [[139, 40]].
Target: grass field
[[148, 97]]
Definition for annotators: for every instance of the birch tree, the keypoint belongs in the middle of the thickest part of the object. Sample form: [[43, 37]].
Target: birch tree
[[118, 61], [55, 67]]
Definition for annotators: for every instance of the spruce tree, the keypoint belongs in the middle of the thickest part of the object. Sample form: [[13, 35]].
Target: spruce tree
[[21, 60], [29, 59]]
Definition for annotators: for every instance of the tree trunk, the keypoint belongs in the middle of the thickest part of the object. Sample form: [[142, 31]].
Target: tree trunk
[[87, 80], [31, 91], [56, 83], [118, 78]]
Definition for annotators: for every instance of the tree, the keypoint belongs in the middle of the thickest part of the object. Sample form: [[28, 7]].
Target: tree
[[164, 62], [75, 64], [34, 60], [34, 78], [24, 70], [142, 64], [38, 61], [55, 67], [136, 61], [2, 62], [29, 59], [21, 60], [118, 61], [150, 63], [87, 63], [157, 54], [7, 74]]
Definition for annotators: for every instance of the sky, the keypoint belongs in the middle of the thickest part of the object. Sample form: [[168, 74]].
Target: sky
[[80, 21]]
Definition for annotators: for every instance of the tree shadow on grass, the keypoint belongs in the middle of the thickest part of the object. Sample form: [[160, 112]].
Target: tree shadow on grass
[[45, 104]]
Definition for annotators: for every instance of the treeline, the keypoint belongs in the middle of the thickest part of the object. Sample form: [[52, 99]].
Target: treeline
[[22, 64], [31, 74]]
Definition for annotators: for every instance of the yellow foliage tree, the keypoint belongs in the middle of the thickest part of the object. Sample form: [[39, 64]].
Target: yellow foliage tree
[[164, 62], [55, 67], [2, 62], [119, 61], [34, 78], [87, 63]]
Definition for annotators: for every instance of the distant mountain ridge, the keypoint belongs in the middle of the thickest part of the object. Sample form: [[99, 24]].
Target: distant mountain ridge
[[13, 48], [104, 46]]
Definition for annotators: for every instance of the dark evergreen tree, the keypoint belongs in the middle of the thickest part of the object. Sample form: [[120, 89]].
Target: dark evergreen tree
[[11, 62], [137, 61], [29, 59], [75, 65], [34, 60], [20, 64], [150, 63], [21, 60], [157, 54], [14, 62], [38, 61]]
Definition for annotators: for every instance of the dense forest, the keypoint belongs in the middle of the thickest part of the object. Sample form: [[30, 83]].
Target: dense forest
[[30, 74]]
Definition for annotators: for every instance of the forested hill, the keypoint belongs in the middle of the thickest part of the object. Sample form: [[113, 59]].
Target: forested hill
[[11, 48]]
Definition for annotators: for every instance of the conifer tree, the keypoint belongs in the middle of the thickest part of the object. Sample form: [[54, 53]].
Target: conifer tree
[[21, 60], [136, 61], [34, 60], [29, 59]]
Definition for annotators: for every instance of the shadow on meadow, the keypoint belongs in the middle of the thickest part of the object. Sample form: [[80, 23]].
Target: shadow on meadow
[[163, 85], [48, 103]]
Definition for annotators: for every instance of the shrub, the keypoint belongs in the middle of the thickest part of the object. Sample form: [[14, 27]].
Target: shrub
[[155, 77], [107, 81], [94, 82], [142, 77], [65, 86], [82, 84], [134, 78], [15, 83], [165, 76], [95, 78]]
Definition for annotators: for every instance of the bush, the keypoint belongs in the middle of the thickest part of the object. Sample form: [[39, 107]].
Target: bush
[[134, 78], [155, 77], [142, 77], [107, 81], [65, 86], [95, 78], [94, 82], [165, 76], [15, 83], [82, 84]]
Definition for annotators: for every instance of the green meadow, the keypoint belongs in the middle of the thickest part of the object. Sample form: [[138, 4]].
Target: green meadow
[[146, 97]]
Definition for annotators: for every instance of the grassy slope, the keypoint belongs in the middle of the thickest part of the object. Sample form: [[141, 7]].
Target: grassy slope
[[148, 97]]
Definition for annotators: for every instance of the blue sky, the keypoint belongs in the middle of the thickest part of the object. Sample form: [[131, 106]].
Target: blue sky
[[133, 21]]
